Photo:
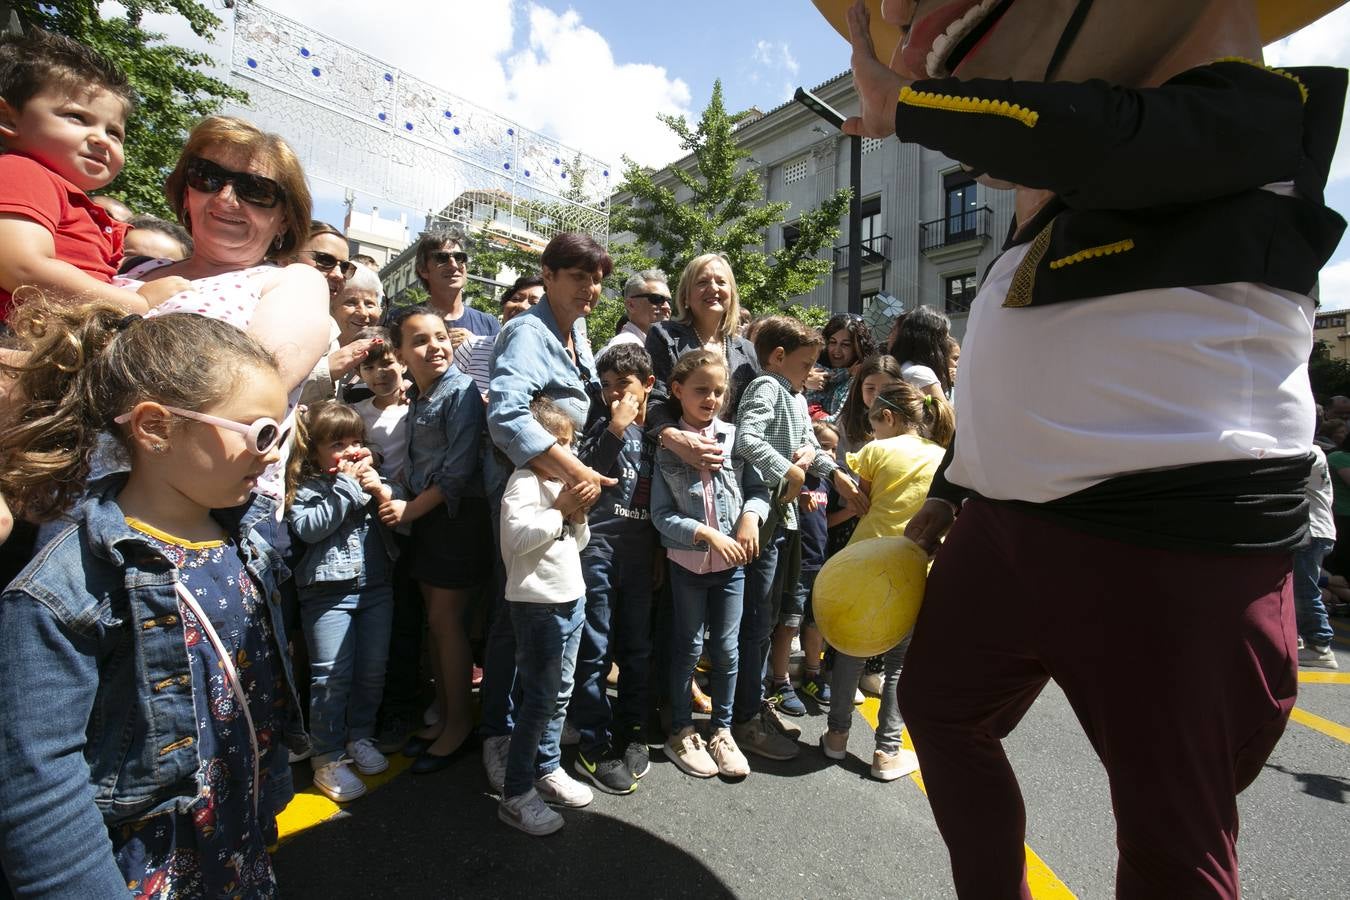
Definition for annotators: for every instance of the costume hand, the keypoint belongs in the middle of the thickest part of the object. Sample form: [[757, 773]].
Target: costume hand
[[930, 523], [156, 292], [693, 449], [392, 512], [877, 85]]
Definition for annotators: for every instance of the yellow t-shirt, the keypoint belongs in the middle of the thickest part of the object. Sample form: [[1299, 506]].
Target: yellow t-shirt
[[899, 469]]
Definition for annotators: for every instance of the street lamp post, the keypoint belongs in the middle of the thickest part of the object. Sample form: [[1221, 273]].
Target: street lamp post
[[835, 118]]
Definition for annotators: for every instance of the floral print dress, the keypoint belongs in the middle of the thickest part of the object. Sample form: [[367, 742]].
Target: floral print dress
[[214, 846]]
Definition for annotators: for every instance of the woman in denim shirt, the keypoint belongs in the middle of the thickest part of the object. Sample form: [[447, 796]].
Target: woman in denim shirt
[[542, 352], [709, 522], [144, 683]]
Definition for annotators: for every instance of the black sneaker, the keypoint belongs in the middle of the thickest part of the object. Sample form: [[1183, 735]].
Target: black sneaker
[[605, 772], [637, 757]]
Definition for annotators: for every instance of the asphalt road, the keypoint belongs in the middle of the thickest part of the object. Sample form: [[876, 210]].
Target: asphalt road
[[816, 828]]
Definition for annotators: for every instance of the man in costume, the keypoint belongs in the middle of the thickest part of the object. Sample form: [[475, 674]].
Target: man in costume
[[1135, 413]]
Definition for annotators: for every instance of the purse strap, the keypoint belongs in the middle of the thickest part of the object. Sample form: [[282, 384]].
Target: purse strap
[[231, 677]]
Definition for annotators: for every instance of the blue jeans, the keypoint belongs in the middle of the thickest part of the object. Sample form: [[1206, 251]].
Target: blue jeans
[[763, 593], [347, 633], [547, 635], [1309, 610], [713, 602], [618, 628]]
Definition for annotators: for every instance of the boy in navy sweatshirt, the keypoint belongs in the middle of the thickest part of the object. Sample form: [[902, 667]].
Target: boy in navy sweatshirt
[[617, 565]]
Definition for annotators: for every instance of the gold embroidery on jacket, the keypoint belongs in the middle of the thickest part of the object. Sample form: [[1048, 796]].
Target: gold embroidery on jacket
[[1302, 88], [1092, 253], [1024, 279], [929, 100]]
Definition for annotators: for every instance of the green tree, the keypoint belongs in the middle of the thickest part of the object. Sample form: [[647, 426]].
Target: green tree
[[173, 90], [1329, 376], [724, 211]]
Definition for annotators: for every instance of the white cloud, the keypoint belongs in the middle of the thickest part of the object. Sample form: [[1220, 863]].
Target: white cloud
[[772, 62], [1324, 43], [544, 69], [1335, 287]]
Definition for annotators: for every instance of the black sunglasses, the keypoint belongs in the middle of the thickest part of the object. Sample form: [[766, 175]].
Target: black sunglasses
[[209, 178], [653, 299], [325, 262], [441, 257]]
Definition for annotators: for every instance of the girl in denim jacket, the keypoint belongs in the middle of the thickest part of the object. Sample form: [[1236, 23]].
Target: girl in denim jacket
[[144, 682], [346, 592], [709, 523]]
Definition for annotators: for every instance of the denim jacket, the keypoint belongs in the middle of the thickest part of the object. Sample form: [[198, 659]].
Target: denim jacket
[[445, 436], [530, 360], [338, 521], [677, 495], [97, 724]]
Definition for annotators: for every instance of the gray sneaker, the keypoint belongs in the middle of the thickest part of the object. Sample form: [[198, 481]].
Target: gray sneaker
[[494, 760], [758, 736], [1314, 657], [780, 724], [530, 814]]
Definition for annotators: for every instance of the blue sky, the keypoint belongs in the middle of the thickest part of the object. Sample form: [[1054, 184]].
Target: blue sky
[[593, 73]]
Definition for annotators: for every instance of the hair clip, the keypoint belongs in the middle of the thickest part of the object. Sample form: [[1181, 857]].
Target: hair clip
[[125, 322]]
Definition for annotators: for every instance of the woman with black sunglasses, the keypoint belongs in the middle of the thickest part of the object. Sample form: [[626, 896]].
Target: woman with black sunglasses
[[326, 250], [241, 193]]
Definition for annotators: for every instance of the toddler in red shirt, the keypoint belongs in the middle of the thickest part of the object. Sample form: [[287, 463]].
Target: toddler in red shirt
[[63, 112]]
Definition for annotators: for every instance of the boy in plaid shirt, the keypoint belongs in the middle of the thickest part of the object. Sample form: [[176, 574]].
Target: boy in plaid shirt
[[773, 434]]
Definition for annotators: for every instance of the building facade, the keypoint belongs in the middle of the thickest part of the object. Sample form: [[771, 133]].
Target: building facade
[[928, 230], [1329, 328], [374, 236]]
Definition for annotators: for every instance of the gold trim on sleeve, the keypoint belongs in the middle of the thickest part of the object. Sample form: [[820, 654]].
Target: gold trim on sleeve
[[929, 100]]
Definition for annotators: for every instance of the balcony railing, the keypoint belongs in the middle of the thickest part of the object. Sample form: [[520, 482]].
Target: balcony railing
[[876, 251], [958, 229]]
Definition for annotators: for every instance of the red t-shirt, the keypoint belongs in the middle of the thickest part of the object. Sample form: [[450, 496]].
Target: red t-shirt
[[85, 236]]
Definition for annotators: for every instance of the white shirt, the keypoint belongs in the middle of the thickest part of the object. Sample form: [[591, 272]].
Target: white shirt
[[628, 334], [917, 375], [388, 431], [1321, 521], [1057, 398], [542, 551]]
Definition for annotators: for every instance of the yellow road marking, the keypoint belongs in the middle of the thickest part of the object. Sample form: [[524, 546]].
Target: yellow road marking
[[1042, 880], [1324, 677], [1317, 723], [309, 807]]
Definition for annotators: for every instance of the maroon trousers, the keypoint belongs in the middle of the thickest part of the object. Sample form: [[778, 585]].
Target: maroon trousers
[[1181, 667]]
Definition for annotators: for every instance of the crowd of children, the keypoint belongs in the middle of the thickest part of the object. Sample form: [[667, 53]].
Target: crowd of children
[[607, 547]]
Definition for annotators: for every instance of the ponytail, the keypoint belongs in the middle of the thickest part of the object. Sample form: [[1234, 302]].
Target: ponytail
[[81, 366], [939, 421], [931, 417]]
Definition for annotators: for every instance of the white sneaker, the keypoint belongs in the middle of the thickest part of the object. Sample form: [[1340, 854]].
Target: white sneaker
[[871, 682], [730, 760], [1314, 657], [559, 788], [570, 736], [494, 759], [530, 814], [338, 782], [367, 757], [687, 750]]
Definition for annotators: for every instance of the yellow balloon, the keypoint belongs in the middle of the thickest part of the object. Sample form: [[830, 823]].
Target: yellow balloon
[[867, 595]]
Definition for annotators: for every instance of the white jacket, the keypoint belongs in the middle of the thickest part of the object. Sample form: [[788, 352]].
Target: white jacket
[[541, 549]]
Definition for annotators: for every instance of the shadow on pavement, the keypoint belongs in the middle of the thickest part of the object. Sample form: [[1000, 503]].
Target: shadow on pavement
[[439, 836], [1324, 787]]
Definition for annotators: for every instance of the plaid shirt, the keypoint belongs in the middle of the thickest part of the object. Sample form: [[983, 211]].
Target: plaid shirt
[[772, 425]]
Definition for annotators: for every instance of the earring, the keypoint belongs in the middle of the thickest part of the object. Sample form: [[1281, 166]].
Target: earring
[[157, 448], [276, 244], [187, 220]]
